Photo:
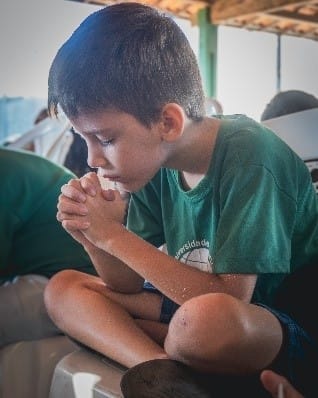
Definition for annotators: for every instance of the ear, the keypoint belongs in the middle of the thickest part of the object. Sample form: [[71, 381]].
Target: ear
[[172, 122]]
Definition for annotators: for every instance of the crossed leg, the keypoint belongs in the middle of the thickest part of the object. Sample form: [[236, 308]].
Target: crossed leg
[[124, 327], [211, 333]]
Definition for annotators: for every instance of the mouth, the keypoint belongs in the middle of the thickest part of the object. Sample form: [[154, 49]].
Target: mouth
[[113, 182], [102, 174], [112, 178], [107, 181], [118, 186]]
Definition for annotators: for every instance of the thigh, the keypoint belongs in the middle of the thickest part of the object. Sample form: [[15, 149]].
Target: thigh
[[22, 311], [145, 304]]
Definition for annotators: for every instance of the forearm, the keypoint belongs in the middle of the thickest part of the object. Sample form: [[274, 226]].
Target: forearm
[[176, 280], [116, 275]]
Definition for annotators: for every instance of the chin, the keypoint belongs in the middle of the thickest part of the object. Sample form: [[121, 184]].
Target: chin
[[130, 187], [124, 188]]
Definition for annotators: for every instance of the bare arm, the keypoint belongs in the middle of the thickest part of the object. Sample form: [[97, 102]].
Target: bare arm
[[116, 275], [176, 280], [102, 226]]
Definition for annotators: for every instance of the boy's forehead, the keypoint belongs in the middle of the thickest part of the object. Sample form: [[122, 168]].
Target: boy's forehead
[[101, 122], [89, 123]]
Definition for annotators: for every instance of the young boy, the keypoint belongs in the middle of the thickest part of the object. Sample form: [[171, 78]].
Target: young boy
[[228, 198]]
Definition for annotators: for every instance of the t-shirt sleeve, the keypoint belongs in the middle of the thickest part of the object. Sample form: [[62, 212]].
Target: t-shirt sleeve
[[255, 225]]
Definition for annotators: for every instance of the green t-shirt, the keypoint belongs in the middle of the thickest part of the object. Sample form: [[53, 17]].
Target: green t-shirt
[[255, 211], [32, 240]]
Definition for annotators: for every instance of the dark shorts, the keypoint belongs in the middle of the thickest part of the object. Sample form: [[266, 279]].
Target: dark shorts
[[298, 356], [168, 307]]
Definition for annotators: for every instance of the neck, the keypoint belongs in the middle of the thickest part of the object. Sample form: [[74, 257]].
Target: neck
[[192, 153]]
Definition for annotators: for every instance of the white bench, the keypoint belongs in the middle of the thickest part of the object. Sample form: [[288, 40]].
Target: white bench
[[82, 374]]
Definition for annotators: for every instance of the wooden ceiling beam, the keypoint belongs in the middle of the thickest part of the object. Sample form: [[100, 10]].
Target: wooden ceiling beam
[[292, 17], [187, 9], [296, 16], [226, 9]]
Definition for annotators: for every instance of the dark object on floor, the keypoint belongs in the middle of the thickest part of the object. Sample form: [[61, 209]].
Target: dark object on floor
[[161, 379], [165, 378]]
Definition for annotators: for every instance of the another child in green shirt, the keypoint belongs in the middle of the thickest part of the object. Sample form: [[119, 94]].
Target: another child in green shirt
[[33, 245]]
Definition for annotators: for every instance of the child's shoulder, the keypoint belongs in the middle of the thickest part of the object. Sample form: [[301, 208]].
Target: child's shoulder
[[247, 140], [239, 122], [240, 129]]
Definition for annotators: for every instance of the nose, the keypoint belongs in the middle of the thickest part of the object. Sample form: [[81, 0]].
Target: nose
[[95, 156]]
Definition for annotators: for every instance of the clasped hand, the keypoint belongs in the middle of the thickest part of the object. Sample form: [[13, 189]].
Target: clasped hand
[[84, 206]]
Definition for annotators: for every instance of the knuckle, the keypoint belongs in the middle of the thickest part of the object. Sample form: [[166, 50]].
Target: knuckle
[[60, 200], [63, 188], [74, 182], [59, 216], [91, 174]]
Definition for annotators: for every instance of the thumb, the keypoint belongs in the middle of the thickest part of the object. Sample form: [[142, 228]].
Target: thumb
[[108, 194], [271, 382]]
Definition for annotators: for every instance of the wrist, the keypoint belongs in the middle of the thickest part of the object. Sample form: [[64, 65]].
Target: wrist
[[116, 234]]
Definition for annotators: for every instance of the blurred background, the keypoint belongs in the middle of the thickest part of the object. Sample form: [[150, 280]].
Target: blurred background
[[32, 31]]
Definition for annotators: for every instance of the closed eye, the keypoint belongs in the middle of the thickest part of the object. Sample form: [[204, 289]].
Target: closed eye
[[105, 142]]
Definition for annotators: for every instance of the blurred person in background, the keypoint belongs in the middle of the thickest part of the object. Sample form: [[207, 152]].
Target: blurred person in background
[[34, 246], [76, 156]]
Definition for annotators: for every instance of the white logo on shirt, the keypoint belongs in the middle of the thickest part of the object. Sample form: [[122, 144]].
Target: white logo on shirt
[[196, 254], [198, 258]]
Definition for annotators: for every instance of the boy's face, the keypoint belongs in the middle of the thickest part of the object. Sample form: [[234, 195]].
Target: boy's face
[[123, 149]]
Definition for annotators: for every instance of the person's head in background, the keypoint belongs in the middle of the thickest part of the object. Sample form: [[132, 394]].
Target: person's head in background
[[130, 58], [76, 158], [287, 102]]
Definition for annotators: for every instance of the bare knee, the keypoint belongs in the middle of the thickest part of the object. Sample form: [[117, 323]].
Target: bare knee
[[204, 328], [60, 289]]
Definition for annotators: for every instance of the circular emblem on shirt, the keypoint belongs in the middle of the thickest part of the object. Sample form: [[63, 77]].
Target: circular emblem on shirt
[[198, 258]]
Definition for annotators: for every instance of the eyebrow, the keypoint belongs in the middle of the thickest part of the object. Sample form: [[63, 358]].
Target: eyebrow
[[104, 132]]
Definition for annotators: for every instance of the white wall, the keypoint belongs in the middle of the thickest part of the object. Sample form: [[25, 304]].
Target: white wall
[[32, 31], [247, 68], [300, 64]]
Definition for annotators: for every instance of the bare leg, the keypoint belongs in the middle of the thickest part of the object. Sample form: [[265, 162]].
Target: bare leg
[[157, 331], [221, 334], [83, 307]]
